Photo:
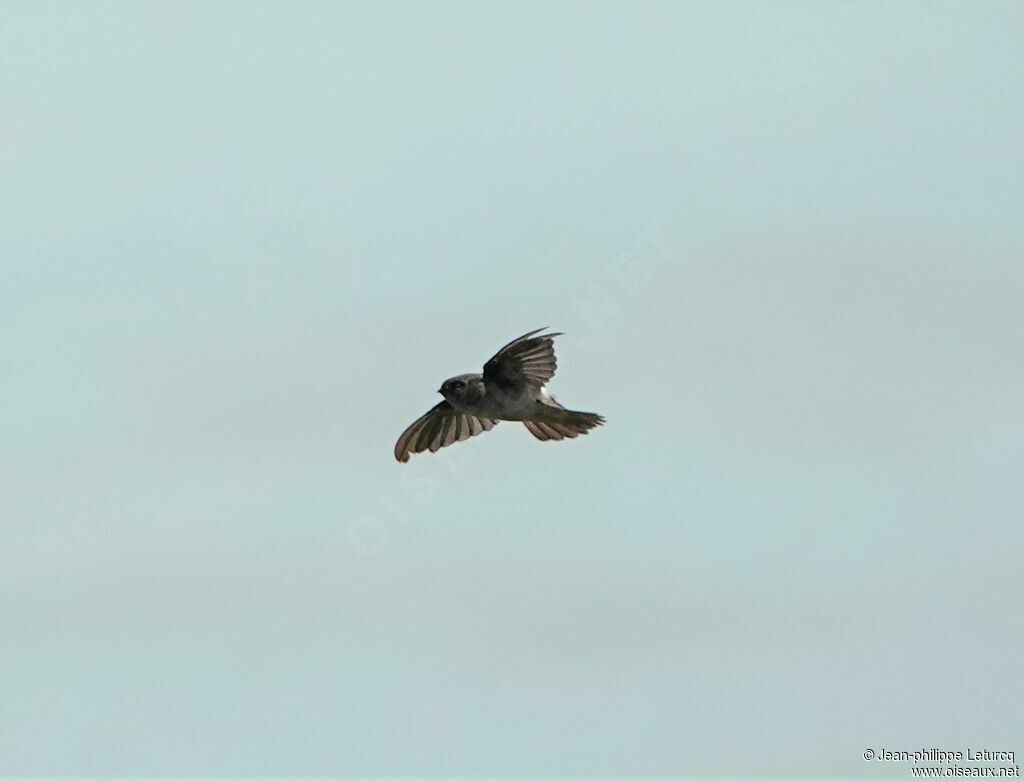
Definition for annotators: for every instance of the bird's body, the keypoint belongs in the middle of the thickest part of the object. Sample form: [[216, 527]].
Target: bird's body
[[511, 388], [472, 397]]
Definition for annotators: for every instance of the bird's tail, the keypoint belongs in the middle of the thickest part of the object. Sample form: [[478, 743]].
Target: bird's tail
[[557, 423]]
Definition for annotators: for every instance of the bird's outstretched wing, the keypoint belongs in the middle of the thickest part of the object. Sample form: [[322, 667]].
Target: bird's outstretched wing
[[529, 359], [441, 425]]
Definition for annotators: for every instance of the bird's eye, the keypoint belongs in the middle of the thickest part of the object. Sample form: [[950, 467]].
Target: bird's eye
[[458, 385]]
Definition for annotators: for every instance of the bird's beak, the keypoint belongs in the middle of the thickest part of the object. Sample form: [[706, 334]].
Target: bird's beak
[[440, 392]]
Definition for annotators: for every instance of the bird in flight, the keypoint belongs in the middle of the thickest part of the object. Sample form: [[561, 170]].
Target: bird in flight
[[511, 388]]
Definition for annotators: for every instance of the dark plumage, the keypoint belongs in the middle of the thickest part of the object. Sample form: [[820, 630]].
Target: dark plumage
[[511, 388]]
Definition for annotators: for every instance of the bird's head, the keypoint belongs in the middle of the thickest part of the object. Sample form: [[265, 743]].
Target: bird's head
[[454, 389]]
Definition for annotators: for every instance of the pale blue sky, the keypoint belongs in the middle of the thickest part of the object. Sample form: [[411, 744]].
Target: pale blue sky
[[241, 244]]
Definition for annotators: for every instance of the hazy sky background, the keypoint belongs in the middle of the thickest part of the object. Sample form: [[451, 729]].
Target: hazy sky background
[[241, 245]]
